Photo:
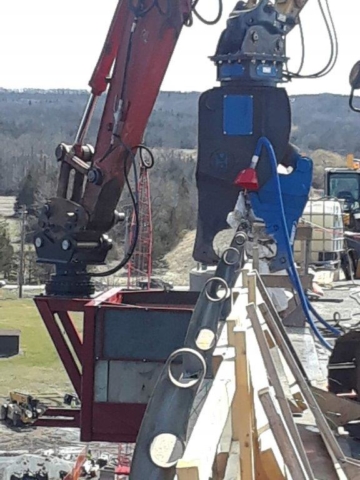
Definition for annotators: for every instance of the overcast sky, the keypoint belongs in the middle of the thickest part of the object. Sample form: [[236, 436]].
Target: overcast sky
[[55, 44]]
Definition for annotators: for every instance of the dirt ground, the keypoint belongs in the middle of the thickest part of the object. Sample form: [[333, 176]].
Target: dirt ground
[[38, 440], [179, 261]]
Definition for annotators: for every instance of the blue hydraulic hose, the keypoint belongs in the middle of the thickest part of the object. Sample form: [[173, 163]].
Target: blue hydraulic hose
[[292, 272]]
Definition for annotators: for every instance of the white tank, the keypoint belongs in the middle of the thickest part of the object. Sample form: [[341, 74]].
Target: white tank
[[325, 217]]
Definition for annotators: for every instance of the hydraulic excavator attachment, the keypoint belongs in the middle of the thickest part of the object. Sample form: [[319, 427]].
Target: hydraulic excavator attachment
[[73, 225], [251, 62]]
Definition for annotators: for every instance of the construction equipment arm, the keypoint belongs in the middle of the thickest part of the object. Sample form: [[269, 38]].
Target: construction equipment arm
[[132, 65]]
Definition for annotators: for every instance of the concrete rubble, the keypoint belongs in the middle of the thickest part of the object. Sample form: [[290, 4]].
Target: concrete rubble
[[54, 467], [53, 451]]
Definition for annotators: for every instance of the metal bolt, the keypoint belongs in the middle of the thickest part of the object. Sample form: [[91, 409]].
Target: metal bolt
[[59, 152], [38, 242], [72, 216], [95, 176], [65, 245], [255, 37], [91, 176]]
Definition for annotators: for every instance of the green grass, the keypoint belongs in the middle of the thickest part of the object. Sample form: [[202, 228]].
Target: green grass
[[37, 369]]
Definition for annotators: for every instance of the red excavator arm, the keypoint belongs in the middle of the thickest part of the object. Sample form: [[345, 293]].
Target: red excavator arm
[[250, 59], [131, 67], [143, 45]]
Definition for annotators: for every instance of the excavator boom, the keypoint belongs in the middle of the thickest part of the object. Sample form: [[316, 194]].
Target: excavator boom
[[131, 67], [250, 60]]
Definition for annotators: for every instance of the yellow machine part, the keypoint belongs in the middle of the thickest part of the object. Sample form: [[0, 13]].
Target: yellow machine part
[[22, 401], [346, 219], [352, 163], [18, 397]]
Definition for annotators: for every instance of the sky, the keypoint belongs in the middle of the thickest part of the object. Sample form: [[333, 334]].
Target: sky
[[56, 43]]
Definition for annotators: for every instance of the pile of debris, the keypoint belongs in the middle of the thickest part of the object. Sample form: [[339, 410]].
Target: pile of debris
[[28, 467], [48, 465]]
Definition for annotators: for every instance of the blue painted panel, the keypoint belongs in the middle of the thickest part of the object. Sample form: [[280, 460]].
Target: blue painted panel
[[238, 115], [266, 70], [233, 70]]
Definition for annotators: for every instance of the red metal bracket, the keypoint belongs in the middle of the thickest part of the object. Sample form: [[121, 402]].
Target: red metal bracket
[[68, 357], [98, 420], [60, 418], [77, 355]]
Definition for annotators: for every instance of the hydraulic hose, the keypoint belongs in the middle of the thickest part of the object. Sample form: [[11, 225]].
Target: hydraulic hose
[[292, 272], [332, 329]]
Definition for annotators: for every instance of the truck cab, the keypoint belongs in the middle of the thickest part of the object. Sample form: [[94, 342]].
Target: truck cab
[[344, 184]]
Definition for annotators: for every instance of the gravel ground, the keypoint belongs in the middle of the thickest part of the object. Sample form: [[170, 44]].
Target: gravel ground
[[56, 449], [30, 448], [347, 293], [348, 310]]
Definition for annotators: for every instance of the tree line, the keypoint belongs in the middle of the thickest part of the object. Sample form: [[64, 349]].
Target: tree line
[[173, 204], [34, 122]]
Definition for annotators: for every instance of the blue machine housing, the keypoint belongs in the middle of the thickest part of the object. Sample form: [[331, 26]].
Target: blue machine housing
[[231, 120], [295, 189]]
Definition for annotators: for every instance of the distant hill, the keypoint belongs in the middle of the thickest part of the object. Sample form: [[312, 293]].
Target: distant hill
[[33, 122]]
